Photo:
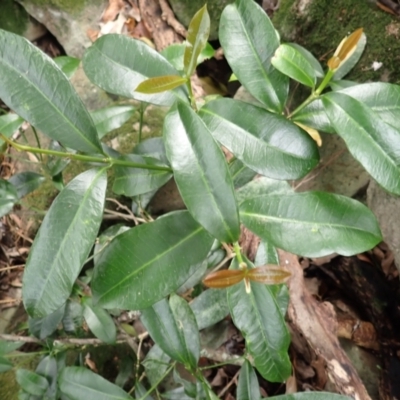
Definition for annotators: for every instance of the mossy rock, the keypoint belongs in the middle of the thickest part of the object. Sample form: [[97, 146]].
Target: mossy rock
[[321, 25], [13, 17], [185, 10]]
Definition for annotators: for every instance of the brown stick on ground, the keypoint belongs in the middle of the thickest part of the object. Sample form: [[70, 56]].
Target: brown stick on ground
[[316, 323]]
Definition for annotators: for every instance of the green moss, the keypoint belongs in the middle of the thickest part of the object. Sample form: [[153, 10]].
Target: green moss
[[13, 17], [327, 22], [73, 7]]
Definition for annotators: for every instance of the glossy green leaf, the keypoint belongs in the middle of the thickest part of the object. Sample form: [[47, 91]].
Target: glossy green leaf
[[201, 173], [26, 182], [44, 327], [152, 147], [134, 181], [349, 64], [291, 62], [341, 84], [312, 224], [249, 41], [118, 64], [267, 143], [311, 396], [31, 382], [248, 387], [43, 96], [48, 368], [173, 327], [175, 53], [196, 40], [258, 317], [156, 364], [110, 118], [55, 165], [382, 98], [240, 173], [9, 123], [262, 186], [210, 307], [8, 197], [370, 140], [5, 364], [73, 317], [160, 84], [129, 276], [8, 347], [315, 64], [80, 383], [141, 392], [99, 322], [67, 64], [71, 223]]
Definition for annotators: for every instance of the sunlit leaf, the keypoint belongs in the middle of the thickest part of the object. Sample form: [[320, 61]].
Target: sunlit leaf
[[160, 84], [248, 387], [67, 64]]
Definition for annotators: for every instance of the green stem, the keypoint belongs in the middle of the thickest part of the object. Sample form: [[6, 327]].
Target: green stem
[[238, 254], [82, 157], [315, 94], [192, 99], [141, 115], [37, 141], [35, 353], [221, 364]]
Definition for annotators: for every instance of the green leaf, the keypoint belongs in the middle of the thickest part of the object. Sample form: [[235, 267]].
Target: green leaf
[[341, 84], [248, 387], [110, 118], [240, 173], [99, 322], [262, 186], [371, 141], [160, 84], [73, 317], [291, 62], [348, 65], [80, 383], [5, 364], [8, 197], [267, 143], [201, 173], [173, 327], [8, 347], [67, 64], [26, 182], [312, 224], [43, 96], [55, 165], [249, 41], [196, 40], [382, 98], [31, 382], [9, 123], [311, 396], [129, 276], [258, 317], [210, 307], [48, 368], [175, 53], [71, 223], [156, 364], [118, 64], [134, 181], [44, 327]]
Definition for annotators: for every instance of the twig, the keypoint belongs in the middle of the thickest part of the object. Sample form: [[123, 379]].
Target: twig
[[230, 383], [12, 267], [169, 17], [132, 216]]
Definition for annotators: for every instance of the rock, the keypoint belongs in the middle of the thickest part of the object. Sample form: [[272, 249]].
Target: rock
[[68, 20], [185, 10], [386, 208], [14, 18]]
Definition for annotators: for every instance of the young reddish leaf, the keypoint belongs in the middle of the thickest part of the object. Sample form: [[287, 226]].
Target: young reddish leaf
[[268, 274], [198, 32], [160, 84], [225, 278]]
